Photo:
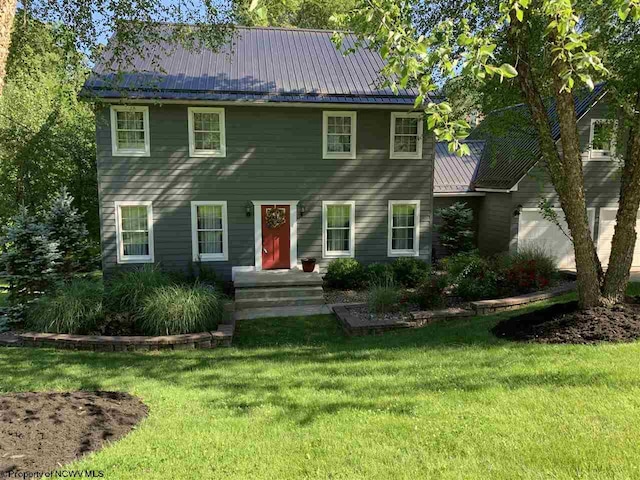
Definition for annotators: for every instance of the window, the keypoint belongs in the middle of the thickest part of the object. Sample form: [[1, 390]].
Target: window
[[406, 135], [134, 230], [404, 224], [130, 131], [206, 132], [209, 231], [338, 232], [601, 139], [339, 134]]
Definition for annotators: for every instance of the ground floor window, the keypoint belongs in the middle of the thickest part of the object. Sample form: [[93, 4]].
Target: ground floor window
[[338, 232], [404, 221], [209, 231], [134, 229]]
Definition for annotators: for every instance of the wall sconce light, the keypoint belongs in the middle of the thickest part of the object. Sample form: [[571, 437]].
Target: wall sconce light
[[302, 208], [517, 211], [248, 208]]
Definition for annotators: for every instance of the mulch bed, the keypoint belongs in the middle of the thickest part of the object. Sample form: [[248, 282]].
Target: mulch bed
[[42, 431], [562, 323]]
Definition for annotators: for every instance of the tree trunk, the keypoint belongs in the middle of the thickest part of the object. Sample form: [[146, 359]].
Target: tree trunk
[[624, 237], [566, 171], [7, 13]]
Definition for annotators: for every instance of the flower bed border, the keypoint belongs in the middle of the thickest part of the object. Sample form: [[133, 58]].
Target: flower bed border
[[355, 326], [222, 337]]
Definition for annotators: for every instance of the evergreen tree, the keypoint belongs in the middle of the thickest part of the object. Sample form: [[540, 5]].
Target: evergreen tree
[[456, 229], [68, 230]]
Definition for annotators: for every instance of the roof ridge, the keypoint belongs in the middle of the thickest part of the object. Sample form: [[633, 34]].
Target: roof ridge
[[291, 29]]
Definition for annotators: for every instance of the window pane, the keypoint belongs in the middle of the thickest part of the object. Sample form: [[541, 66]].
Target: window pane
[[209, 217], [601, 136], [134, 217], [338, 216], [404, 215], [207, 140], [338, 240], [402, 239], [135, 243], [407, 144], [210, 242], [407, 126]]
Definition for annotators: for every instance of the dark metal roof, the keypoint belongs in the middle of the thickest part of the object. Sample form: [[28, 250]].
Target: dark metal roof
[[454, 173], [512, 147], [258, 64]]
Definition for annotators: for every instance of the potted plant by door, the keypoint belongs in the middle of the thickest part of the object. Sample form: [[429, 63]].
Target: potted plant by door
[[308, 264]]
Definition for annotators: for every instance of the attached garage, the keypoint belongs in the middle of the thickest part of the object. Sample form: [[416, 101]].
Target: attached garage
[[535, 230], [606, 228]]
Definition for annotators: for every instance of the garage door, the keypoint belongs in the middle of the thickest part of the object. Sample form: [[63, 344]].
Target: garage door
[[605, 235], [535, 230]]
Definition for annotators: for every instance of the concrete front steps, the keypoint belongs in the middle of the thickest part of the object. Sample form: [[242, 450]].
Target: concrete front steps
[[272, 290]]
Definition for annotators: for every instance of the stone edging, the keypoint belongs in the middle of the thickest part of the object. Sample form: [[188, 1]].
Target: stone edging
[[353, 325], [222, 337]]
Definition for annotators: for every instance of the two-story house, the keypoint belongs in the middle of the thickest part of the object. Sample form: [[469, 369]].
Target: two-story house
[[274, 148]]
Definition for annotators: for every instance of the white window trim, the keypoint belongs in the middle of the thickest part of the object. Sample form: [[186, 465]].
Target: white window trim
[[600, 155], [352, 230], [223, 143], [325, 130], [209, 257], [418, 153], [121, 257], [416, 230], [130, 152]]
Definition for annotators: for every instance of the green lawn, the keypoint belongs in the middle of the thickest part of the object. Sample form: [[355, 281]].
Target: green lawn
[[296, 399]]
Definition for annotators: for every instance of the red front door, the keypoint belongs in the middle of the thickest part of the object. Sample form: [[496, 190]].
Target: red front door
[[275, 237]]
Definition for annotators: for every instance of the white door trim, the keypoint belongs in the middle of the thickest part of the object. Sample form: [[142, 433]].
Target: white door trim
[[293, 230]]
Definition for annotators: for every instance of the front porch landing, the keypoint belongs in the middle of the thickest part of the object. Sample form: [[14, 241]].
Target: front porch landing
[[276, 278]]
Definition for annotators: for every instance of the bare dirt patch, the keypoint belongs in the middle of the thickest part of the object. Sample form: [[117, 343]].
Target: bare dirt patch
[[563, 323], [42, 431]]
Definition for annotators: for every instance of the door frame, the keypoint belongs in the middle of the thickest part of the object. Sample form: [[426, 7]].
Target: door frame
[[293, 230]]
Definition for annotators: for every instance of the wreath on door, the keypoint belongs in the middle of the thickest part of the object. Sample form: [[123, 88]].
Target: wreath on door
[[276, 217]]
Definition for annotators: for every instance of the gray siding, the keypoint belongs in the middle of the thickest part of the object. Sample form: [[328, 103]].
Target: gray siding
[[495, 218], [273, 153]]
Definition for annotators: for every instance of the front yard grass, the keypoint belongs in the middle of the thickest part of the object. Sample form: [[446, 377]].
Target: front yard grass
[[296, 399]]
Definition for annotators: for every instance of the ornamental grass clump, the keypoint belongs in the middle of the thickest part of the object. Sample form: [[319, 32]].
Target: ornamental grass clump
[[74, 308], [126, 292], [176, 309], [384, 298]]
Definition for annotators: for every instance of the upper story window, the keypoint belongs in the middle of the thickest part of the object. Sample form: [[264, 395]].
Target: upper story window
[[209, 232], [134, 232], [406, 135], [404, 222], [338, 229], [206, 132], [338, 134], [601, 139], [130, 131]]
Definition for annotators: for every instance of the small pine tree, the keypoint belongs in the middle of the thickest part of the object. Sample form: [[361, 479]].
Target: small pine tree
[[67, 228], [456, 229], [28, 260]]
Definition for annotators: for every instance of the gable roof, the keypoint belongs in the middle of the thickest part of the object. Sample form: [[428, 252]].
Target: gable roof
[[512, 147], [258, 64], [453, 173]]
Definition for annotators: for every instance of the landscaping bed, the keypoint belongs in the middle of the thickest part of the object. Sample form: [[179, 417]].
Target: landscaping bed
[[563, 323], [43, 431]]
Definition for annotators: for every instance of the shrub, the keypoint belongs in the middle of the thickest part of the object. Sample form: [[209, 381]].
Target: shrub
[[379, 273], [345, 273], [28, 261], [532, 268], [454, 265], [76, 307], [456, 228], [430, 293], [125, 293], [410, 272], [384, 298], [176, 309], [479, 287]]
